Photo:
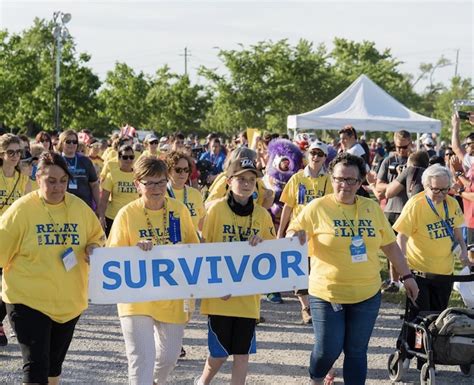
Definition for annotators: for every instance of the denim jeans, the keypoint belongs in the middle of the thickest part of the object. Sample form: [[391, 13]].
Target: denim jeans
[[347, 330]]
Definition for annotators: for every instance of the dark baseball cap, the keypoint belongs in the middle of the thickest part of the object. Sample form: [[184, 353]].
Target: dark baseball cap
[[242, 165]]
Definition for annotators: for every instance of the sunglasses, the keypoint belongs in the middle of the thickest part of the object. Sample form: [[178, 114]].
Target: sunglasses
[[153, 142], [160, 183], [448, 153], [71, 141], [180, 170], [12, 153], [127, 157], [402, 147], [348, 181], [439, 190], [317, 153]]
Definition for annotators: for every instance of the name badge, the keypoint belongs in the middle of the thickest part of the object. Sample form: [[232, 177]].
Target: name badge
[[358, 249], [72, 184], [69, 259], [456, 251], [301, 193], [255, 195], [174, 229]]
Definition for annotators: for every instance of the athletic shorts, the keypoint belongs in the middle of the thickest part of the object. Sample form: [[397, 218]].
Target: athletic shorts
[[231, 335]]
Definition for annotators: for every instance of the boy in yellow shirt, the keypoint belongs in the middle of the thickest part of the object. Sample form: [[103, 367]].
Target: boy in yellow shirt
[[232, 320]]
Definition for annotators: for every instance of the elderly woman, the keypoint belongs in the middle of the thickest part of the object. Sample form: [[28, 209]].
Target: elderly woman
[[45, 249], [118, 188], [153, 331], [179, 168], [430, 234], [345, 233]]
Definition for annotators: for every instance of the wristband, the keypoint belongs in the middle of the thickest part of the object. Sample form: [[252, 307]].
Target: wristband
[[408, 276]]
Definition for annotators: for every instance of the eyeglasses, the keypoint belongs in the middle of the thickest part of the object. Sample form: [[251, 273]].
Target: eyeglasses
[[180, 170], [149, 184], [317, 153], [468, 144], [71, 141], [439, 190], [12, 153], [402, 147], [448, 153], [127, 157], [348, 181], [153, 142], [45, 141]]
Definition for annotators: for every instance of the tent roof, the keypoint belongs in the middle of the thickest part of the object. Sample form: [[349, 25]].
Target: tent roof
[[368, 108]]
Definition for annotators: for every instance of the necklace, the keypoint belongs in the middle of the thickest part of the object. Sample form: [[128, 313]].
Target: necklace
[[172, 194], [160, 240]]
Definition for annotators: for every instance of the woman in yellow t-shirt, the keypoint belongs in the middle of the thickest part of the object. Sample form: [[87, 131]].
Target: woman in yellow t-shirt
[[179, 169], [153, 331], [13, 185], [232, 320], [45, 249], [345, 233], [117, 189]]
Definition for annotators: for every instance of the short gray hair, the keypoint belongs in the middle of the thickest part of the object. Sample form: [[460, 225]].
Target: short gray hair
[[434, 171]]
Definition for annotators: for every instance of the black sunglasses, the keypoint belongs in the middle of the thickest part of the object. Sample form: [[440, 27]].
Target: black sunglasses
[[402, 147], [127, 157], [180, 170], [71, 141], [318, 153], [153, 142]]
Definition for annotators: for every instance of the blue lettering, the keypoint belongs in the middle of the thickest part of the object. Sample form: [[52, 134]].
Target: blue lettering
[[193, 277], [213, 265], [256, 264], [111, 275], [237, 275], [286, 265], [166, 273], [141, 272]]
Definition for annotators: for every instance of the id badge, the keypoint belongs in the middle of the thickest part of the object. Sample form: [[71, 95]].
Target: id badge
[[358, 249], [69, 259], [456, 251], [301, 193], [72, 184], [255, 195], [174, 229]]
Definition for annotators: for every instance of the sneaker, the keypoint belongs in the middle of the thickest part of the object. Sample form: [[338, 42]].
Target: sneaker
[[274, 298], [392, 288], [3, 337], [197, 381], [306, 315]]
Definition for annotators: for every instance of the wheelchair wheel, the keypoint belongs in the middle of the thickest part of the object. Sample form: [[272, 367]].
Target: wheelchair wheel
[[466, 370], [427, 375], [395, 367]]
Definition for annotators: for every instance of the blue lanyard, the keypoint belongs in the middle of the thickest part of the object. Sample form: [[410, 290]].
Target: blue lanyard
[[69, 165], [171, 194], [445, 222]]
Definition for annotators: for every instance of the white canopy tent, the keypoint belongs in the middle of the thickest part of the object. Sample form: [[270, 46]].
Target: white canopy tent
[[367, 107]]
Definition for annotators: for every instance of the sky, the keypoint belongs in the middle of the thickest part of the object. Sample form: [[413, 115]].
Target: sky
[[149, 34]]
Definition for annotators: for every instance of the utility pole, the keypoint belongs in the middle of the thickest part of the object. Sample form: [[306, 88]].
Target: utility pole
[[186, 54], [457, 61]]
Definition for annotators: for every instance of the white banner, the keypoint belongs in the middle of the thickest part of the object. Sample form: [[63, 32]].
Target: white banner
[[128, 274]]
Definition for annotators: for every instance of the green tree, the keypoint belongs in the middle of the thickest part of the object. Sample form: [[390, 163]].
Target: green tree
[[175, 104], [123, 96]]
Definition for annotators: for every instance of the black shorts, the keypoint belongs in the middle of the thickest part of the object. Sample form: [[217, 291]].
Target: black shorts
[[43, 342], [231, 335]]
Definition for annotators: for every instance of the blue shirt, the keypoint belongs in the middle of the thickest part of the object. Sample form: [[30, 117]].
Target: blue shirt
[[216, 160]]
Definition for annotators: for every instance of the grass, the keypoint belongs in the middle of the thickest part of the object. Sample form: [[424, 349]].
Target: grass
[[399, 298]]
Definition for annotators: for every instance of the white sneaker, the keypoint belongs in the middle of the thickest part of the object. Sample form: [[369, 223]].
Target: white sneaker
[[197, 381]]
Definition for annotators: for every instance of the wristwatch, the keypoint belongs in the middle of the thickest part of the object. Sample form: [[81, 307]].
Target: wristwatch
[[405, 277]]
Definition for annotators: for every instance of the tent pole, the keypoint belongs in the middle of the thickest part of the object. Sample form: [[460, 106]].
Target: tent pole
[[417, 141]]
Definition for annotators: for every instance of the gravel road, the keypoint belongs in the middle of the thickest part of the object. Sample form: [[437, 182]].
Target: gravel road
[[96, 355]]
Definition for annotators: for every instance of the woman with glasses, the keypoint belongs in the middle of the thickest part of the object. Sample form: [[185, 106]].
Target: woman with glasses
[[46, 239], [13, 185], [179, 169], [45, 139], [117, 189], [310, 183], [83, 182], [430, 235], [151, 143], [345, 233], [153, 331]]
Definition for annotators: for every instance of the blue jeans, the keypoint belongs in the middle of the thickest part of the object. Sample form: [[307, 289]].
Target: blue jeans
[[348, 329]]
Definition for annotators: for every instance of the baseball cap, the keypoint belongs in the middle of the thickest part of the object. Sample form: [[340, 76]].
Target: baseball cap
[[379, 141], [317, 144], [150, 138], [242, 165], [163, 139], [428, 141]]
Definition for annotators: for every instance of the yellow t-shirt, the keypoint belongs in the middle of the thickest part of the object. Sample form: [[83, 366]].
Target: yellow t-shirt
[[146, 153], [302, 189], [193, 202], [122, 190], [130, 226], [6, 189], [219, 187], [222, 225], [429, 244], [34, 274], [110, 154], [112, 163], [334, 277]]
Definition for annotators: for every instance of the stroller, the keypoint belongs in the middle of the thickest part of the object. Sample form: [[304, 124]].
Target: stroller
[[445, 338]]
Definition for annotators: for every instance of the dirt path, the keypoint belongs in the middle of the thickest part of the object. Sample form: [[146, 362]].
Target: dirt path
[[96, 355]]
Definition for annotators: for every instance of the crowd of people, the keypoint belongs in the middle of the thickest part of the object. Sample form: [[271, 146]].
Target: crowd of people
[[64, 194]]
